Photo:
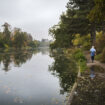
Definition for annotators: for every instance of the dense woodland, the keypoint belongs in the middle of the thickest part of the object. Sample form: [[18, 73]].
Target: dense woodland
[[81, 25], [16, 38]]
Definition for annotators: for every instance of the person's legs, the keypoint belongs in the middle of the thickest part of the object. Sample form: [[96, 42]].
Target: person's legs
[[92, 58]]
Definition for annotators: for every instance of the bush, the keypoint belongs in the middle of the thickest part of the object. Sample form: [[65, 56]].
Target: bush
[[103, 56], [80, 58], [98, 57], [83, 41], [100, 43], [78, 55]]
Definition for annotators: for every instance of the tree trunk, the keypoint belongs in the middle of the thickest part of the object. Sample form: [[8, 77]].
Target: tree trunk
[[103, 29], [93, 35]]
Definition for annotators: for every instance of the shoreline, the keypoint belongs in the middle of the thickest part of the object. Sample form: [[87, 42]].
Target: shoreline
[[72, 92]]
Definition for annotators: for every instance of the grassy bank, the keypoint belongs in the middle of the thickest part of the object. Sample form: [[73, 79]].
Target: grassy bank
[[79, 57]]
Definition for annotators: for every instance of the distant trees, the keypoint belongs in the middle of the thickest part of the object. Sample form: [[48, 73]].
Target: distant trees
[[81, 17], [6, 34], [15, 38], [44, 43]]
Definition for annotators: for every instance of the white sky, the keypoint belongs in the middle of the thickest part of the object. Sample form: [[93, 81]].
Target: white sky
[[32, 16]]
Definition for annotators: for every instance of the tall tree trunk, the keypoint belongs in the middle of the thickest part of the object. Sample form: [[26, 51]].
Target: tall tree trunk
[[93, 35], [103, 28]]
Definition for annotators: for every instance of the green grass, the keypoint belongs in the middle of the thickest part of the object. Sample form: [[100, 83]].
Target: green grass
[[98, 57], [80, 59]]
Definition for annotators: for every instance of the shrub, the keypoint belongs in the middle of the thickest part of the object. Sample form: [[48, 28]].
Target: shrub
[[100, 43], [80, 58], [103, 56], [83, 41], [78, 55]]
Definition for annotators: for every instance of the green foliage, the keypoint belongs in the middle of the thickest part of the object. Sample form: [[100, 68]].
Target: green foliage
[[65, 68], [19, 39], [100, 46], [6, 34], [82, 41], [72, 23], [6, 46], [100, 42], [82, 18], [15, 38], [80, 59], [78, 55], [98, 56], [53, 45], [61, 35], [77, 40], [97, 14], [86, 42], [33, 44], [1, 40], [103, 56]]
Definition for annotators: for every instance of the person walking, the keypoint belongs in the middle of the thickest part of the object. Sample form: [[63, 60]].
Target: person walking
[[93, 51]]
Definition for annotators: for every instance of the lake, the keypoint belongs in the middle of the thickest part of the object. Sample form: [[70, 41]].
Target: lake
[[28, 77]]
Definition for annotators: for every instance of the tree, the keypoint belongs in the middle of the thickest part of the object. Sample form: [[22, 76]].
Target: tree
[[97, 14], [19, 38], [16, 38], [74, 21], [62, 33], [7, 34], [80, 23]]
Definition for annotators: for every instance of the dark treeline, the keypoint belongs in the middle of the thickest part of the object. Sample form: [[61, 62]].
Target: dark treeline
[[83, 17]]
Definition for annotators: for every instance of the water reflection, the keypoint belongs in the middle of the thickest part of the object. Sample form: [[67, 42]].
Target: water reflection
[[28, 82], [92, 73], [18, 57], [91, 91], [65, 69]]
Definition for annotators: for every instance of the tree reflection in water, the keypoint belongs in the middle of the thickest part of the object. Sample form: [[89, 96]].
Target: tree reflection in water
[[17, 57], [65, 69]]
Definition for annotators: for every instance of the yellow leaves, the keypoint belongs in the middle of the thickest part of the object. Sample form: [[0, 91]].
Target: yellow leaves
[[76, 40], [6, 46], [83, 41], [98, 35]]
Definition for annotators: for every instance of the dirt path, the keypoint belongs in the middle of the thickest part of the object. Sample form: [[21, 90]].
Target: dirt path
[[84, 84], [91, 90], [89, 62]]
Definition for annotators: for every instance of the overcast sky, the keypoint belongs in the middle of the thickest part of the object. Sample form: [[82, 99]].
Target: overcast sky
[[32, 16]]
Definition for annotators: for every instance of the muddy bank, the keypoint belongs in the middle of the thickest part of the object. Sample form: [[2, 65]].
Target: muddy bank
[[91, 87], [73, 90]]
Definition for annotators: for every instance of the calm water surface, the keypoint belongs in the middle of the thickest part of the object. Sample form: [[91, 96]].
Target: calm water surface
[[25, 79]]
